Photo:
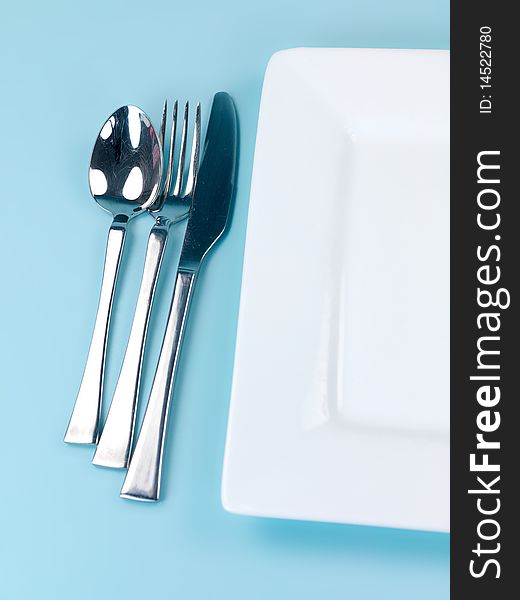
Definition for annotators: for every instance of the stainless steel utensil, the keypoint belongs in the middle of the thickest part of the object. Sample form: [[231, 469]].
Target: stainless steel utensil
[[172, 206], [125, 176], [207, 222]]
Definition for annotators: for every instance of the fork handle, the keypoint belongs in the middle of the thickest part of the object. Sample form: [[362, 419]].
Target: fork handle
[[114, 446], [143, 479], [84, 423]]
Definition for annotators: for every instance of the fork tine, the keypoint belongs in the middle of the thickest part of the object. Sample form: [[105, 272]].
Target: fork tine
[[182, 153], [194, 160], [169, 168], [160, 198], [163, 124]]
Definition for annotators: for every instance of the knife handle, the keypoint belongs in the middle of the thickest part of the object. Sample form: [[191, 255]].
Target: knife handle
[[114, 446], [143, 479], [84, 422]]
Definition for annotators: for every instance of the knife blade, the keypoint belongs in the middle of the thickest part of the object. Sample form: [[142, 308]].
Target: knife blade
[[214, 186]]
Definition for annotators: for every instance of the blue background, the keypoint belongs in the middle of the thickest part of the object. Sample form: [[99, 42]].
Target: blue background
[[64, 531]]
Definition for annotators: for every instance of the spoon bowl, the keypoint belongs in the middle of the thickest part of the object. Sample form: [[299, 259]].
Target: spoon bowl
[[126, 166]]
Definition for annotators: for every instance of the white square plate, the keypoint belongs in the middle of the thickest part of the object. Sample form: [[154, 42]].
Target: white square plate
[[340, 398]]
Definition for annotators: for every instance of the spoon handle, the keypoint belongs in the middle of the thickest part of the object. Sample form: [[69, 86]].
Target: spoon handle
[[115, 443], [84, 423], [144, 473]]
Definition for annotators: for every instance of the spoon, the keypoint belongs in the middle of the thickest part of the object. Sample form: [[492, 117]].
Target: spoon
[[125, 178]]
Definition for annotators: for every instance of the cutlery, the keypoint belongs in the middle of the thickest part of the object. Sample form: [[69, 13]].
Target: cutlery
[[206, 223], [172, 206], [124, 176]]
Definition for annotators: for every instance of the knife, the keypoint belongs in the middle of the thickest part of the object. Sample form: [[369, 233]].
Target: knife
[[207, 222]]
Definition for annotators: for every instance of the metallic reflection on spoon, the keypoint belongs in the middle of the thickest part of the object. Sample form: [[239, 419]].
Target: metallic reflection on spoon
[[127, 157]]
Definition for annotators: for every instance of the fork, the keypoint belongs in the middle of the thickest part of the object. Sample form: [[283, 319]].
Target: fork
[[172, 206]]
